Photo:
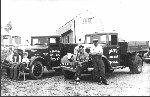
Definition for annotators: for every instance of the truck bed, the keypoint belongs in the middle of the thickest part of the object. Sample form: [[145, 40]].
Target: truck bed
[[138, 46]]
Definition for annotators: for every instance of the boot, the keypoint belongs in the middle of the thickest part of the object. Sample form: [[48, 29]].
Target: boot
[[77, 80], [99, 81], [104, 81]]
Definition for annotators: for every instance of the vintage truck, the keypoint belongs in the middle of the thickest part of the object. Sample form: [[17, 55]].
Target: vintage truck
[[117, 54]]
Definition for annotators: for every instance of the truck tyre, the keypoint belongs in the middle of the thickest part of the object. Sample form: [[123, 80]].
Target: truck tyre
[[36, 70], [68, 74], [136, 64]]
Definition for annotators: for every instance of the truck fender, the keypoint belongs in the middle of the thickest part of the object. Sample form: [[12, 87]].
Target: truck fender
[[104, 58], [107, 64], [140, 55], [38, 58]]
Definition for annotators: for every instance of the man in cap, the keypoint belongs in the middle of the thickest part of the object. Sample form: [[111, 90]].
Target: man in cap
[[99, 67], [14, 59]]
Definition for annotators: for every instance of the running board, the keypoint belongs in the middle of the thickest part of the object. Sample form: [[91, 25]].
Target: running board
[[118, 67], [58, 67]]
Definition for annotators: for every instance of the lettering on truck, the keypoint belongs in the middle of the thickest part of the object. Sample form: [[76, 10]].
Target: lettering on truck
[[113, 54]]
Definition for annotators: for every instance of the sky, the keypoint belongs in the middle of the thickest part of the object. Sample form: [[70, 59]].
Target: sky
[[129, 18]]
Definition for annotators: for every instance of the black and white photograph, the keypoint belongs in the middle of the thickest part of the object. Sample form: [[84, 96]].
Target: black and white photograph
[[75, 48]]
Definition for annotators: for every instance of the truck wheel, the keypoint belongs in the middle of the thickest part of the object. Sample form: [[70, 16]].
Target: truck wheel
[[136, 64], [36, 70], [68, 74]]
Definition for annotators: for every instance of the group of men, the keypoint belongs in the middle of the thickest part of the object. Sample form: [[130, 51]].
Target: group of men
[[83, 58], [16, 60]]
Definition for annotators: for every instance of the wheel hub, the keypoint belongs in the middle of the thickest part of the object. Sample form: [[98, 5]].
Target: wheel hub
[[37, 69]]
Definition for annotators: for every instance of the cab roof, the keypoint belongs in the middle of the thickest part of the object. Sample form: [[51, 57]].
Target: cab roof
[[45, 36]]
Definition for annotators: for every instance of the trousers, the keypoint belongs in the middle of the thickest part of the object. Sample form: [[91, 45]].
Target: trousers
[[14, 71], [80, 68], [99, 68]]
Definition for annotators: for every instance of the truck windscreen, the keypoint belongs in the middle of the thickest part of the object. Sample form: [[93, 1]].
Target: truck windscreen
[[39, 41]]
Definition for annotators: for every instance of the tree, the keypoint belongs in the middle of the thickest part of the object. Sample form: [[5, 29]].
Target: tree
[[8, 27]]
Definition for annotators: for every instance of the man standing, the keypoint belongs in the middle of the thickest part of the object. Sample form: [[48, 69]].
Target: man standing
[[99, 67]]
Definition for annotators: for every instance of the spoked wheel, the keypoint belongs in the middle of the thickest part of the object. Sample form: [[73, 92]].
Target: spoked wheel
[[36, 70]]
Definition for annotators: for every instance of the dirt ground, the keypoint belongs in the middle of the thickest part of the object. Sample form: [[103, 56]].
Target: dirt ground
[[121, 83]]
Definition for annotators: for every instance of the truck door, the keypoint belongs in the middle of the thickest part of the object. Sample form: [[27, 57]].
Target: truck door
[[112, 53], [54, 51]]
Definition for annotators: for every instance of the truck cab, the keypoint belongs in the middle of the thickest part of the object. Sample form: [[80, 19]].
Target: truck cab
[[109, 42]]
